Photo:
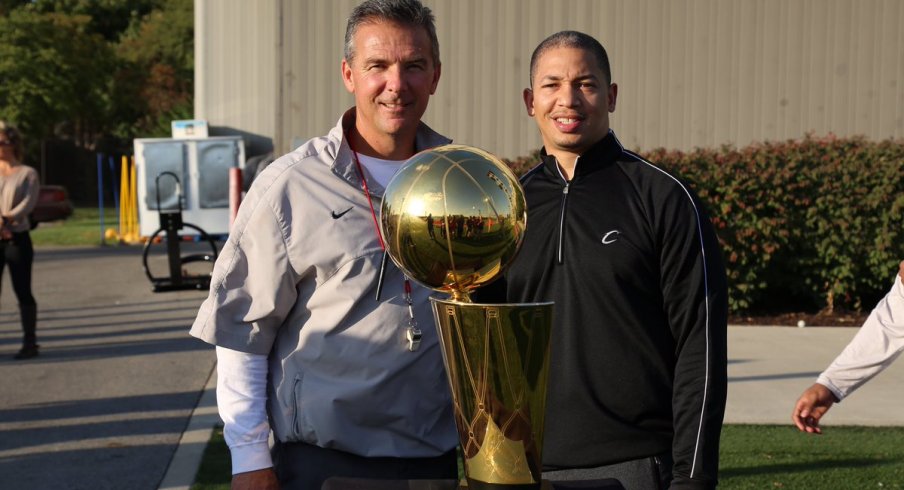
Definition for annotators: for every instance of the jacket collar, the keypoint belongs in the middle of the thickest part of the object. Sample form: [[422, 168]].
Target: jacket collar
[[344, 160], [605, 152]]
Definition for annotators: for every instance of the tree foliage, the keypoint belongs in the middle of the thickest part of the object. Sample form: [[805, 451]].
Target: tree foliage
[[108, 18], [161, 49], [52, 69], [90, 71]]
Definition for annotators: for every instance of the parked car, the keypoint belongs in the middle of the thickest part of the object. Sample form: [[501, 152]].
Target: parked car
[[53, 205]]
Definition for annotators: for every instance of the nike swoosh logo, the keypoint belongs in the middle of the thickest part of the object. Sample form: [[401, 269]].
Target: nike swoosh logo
[[610, 237], [339, 215]]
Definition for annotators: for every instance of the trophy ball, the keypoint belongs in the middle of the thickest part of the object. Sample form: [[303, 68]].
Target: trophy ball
[[453, 218]]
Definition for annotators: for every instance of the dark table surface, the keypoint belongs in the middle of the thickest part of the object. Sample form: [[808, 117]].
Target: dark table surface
[[370, 484]]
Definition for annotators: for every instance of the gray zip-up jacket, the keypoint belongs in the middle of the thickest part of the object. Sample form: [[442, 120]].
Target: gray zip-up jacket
[[297, 280]]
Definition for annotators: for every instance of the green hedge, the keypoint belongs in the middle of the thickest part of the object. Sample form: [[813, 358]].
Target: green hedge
[[808, 224]]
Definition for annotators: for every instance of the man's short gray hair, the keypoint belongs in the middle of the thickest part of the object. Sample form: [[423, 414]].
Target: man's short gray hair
[[410, 12]]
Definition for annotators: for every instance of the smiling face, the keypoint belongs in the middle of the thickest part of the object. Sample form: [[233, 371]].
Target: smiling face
[[392, 76], [570, 100]]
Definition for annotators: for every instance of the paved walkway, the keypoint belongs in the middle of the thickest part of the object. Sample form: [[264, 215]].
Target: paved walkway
[[109, 404], [770, 366]]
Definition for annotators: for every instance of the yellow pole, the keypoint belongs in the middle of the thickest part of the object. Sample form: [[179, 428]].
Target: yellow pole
[[124, 197], [133, 219]]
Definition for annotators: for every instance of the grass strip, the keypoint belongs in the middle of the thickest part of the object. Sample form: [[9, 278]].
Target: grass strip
[[80, 229], [768, 456], [751, 457], [216, 468]]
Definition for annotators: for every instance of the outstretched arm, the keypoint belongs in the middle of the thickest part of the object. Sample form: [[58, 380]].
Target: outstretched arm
[[878, 343]]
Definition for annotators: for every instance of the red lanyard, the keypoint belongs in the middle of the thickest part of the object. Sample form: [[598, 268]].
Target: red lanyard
[[412, 333], [373, 212]]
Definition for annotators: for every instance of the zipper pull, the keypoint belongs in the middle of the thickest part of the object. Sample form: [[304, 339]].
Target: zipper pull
[[565, 189]]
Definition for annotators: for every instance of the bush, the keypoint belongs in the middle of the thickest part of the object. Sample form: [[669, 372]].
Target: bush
[[521, 165], [804, 224]]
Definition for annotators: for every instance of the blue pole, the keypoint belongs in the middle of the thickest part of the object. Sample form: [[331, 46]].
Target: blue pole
[[100, 194]]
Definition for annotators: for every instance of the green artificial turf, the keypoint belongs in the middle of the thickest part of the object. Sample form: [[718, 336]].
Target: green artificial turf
[[751, 457], [761, 456]]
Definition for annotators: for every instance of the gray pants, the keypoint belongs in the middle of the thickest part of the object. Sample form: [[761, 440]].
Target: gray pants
[[650, 473]]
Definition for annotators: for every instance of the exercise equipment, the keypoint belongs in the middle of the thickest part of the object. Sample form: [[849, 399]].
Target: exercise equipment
[[170, 225]]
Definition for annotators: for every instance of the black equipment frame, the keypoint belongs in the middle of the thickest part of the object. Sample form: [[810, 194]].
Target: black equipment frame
[[170, 224]]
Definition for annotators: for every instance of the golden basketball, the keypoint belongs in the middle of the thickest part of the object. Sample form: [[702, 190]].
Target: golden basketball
[[453, 218]]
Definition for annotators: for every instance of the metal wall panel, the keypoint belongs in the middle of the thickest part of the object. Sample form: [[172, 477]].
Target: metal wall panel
[[236, 56], [314, 95], [691, 73]]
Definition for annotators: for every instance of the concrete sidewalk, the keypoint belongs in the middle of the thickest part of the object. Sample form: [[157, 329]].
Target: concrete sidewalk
[[769, 367], [122, 398]]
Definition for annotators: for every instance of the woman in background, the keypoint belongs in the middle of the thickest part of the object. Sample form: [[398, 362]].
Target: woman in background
[[18, 196]]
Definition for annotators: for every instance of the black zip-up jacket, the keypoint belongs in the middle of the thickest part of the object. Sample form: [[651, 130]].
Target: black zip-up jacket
[[638, 354]]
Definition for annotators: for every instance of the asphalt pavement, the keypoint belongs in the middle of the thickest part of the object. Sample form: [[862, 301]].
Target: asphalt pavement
[[122, 398], [106, 403]]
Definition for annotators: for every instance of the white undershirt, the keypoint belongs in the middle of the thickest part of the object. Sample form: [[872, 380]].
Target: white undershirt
[[381, 170], [242, 403], [242, 378]]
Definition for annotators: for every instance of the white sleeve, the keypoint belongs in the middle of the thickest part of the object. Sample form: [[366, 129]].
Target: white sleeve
[[878, 343], [242, 403]]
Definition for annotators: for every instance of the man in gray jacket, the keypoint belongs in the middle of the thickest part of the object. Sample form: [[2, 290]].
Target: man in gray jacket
[[315, 340]]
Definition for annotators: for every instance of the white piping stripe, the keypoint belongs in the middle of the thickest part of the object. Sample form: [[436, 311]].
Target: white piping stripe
[[559, 258], [706, 290]]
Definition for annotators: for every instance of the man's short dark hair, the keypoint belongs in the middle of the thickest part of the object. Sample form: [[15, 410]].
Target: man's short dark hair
[[572, 39], [410, 12]]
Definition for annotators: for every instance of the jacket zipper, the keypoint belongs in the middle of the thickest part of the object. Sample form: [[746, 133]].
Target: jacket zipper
[[559, 252], [657, 471]]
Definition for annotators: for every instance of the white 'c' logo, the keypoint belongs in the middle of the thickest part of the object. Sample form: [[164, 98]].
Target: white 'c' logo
[[610, 237]]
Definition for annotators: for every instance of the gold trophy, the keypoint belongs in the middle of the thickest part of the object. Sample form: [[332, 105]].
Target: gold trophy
[[453, 218]]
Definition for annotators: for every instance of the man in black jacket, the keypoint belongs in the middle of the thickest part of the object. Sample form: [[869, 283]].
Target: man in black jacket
[[631, 260]]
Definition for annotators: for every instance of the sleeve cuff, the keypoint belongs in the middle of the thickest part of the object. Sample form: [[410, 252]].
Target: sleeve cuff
[[825, 381], [250, 457], [689, 484]]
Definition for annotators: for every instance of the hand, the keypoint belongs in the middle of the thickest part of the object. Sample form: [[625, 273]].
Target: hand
[[264, 479], [813, 403]]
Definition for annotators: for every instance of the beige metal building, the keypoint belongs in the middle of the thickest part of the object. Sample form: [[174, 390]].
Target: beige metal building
[[691, 73]]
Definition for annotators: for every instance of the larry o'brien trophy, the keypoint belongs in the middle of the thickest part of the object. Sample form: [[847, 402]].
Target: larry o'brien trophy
[[453, 218]]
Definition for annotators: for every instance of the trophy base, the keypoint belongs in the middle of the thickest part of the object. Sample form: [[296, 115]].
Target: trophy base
[[481, 485]]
